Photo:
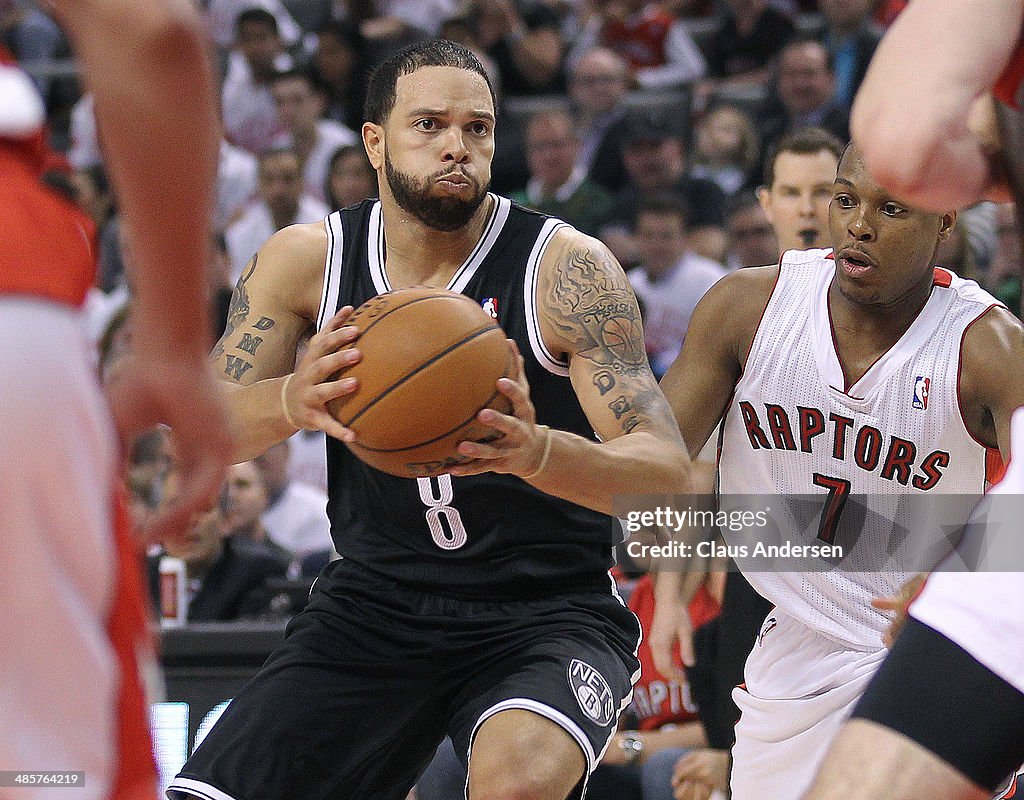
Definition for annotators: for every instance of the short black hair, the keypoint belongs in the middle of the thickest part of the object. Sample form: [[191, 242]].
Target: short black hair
[[803, 142], [258, 15], [665, 204], [296, 73], [380, 93]]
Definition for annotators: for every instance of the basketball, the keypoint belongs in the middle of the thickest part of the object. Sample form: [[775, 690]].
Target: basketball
[[430, 362]]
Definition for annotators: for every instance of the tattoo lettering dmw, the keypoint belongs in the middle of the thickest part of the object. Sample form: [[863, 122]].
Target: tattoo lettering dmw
[[595, 308], [238, 315]]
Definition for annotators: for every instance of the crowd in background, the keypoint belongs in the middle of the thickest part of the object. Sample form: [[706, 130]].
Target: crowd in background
[[653, 126]]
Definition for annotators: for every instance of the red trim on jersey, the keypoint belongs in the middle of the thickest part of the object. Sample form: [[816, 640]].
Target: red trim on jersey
[[135, 776], [1007, 87], [942, 277], [995, 469], [993, 459]]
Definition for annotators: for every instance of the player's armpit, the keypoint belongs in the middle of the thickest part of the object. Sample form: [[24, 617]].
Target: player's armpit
[[721, 331], [991, 389], [272, 306], [590, 315]]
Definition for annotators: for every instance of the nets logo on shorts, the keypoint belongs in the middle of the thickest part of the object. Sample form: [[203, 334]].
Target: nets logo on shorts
[[592, 692]]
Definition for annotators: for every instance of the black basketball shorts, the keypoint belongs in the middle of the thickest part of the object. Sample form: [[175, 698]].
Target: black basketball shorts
[[934, 692], [372, 676]]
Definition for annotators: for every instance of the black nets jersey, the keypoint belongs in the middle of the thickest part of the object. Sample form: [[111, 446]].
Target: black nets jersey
[[491, 536]]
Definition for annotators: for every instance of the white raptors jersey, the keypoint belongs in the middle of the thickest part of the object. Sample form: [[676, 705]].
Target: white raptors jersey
[[794, 430]]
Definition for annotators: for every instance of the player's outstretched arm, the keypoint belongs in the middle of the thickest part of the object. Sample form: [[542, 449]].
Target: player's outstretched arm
[[911, 118], [147, 65], [275, 303]]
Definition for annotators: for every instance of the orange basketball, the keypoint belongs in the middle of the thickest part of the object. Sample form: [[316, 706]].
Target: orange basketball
[[430, 362]]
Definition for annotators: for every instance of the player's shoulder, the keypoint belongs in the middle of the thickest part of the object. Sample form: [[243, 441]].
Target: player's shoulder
[[289, 267], [994, 339], [300, 244]]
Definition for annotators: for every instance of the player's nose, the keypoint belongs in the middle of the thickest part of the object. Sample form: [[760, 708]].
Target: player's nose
[[860, 226], [455, 148]]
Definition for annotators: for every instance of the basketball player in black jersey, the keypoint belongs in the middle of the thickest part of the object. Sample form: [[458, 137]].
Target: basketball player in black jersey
[[476, 604]]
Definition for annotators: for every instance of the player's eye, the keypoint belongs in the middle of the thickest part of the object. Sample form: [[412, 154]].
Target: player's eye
[[893, 209], [844, 201], [425, 124], [480, 128]]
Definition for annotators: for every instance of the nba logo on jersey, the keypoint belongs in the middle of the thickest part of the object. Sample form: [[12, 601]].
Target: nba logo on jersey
[[490, 305], [921, 387]]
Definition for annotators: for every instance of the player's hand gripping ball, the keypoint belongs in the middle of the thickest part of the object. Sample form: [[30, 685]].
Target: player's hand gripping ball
[[430, 362]]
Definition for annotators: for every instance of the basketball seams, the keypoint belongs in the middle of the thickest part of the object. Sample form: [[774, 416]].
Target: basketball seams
[[409, 303], [422, 366]]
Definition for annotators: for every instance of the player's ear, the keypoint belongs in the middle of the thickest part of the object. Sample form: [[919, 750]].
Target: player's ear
[[947, 225], [373, 141]]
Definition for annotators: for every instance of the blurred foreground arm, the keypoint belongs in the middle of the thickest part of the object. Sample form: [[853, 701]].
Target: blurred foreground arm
[[919, 115], [147, 65]]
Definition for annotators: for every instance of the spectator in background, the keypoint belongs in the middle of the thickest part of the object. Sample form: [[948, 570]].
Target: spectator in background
[[523, 39], [671, 278], [558, 185], [226, 569], [752, 241], [798, 178], [639, 760], [300, 107], [597, 85], [658, 48], [1007, 270], [222, 16], [237, 177], [654, 155], [388, 25], [338, 68], [295, 515], [851, 36], [350, 178], [804, 94], [727, 148], [247, 106], [281, 202], [463, 30], [751, 36]]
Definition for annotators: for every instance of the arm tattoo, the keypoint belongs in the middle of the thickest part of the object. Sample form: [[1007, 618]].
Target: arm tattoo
[[238, 311], [595, 309], [643, 404]]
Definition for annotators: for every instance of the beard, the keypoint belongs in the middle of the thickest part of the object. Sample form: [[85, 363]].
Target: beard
[[440, 213]]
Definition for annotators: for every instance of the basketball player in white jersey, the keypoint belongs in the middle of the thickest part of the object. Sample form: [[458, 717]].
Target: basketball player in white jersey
[[945, 716], [817, 368]]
